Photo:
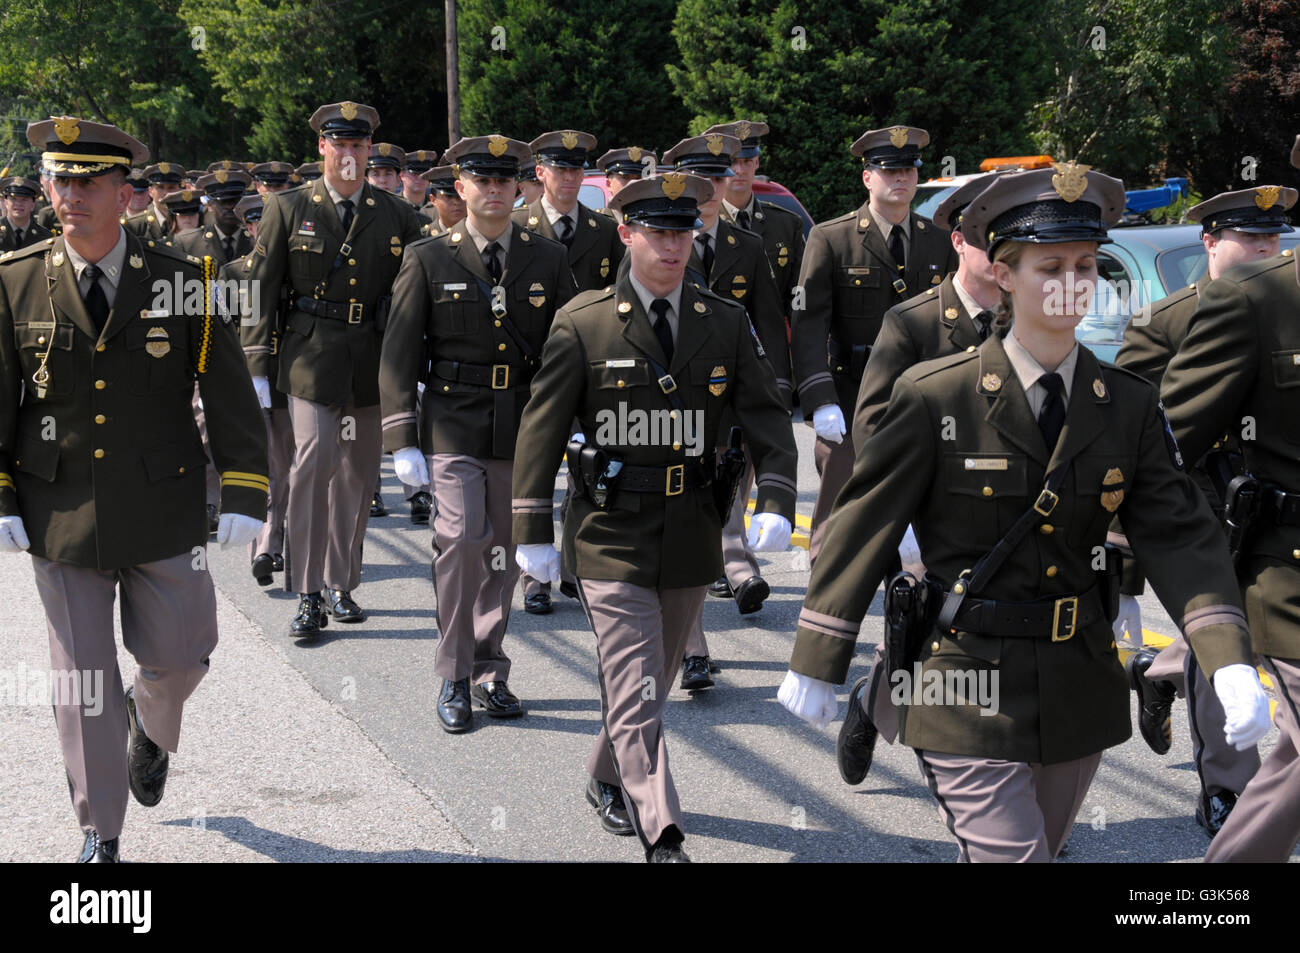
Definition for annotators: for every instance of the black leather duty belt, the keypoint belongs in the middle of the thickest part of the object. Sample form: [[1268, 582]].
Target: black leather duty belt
[[670, 481], [339, 311], [495, 376], [1280, 507], [1057, 619]]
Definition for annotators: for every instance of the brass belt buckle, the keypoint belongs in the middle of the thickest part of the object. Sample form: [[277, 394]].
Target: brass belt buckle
[[500, 376], [678, 470], [1069, 607], [1046, 502], [354, 313]]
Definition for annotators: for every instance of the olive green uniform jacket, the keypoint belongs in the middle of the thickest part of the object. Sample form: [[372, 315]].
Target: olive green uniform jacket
[[959, 456], [596, 249], [33, 233]]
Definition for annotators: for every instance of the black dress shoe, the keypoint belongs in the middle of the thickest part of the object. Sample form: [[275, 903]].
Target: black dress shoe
[[751, 593], [263, 566], [695, 673], [342, 607], [96, 851], [377, 507], [857, 740], [1214, 809], [146, 763], [569, 589], [421, 507], [311, 618], [607, 799], [277, 562], [497, 700], [668, 849], [453, 706], [539, 603], [214, 519], [1155, 698], [721, 589]]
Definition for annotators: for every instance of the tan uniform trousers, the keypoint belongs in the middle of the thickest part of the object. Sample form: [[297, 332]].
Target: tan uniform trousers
[[1007, 811], [834, 463], [474, 565], [169, 624], [640, 634], [279, 444], [1221, 766], [335, 462], [1264, 827]]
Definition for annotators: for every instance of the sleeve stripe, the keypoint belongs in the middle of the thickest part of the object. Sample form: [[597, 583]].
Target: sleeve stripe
[[814, 379], [265, 488], [828, 624], [1213, 615], [776, 480], [6, 481], [398, 420]]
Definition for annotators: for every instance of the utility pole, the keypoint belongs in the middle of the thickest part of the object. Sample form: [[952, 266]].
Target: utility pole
[[453, 75]]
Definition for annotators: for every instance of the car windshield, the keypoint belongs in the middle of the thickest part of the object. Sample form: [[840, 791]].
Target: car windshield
[[1118, 295], [592, 196], [928, 197], [1184, 265]]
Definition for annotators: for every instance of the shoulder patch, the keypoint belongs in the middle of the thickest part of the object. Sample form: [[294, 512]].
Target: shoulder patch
[[36, 248]]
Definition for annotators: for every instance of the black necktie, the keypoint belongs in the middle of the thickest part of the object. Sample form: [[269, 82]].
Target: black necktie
[[491, 262], [96, 300], [348, 214], [18, 236], [566, 230], [662, 331], [228, 246], [896, 246], [742, 219], [1051, 418], [984, 324], [706, 253]]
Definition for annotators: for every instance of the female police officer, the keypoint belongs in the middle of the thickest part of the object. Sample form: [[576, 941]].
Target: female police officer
[[1016, 687]]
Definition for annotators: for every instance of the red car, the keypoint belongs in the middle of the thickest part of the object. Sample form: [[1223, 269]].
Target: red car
[[594, 194]]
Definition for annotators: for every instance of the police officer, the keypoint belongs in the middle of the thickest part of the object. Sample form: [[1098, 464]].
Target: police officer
[[272, 176], [1010, 461], [140, 197], [1234, 373], [530, 187], [154, 223], [384, 167], [447, 205], [337, 243], [115, 498], [224, 239], [183, 209], [953, 316], [855, 268], [17, 228], [622, 167], [594, 253], [44, 216], [415, 189], [652, 344], [471, 309], [1236, 227], [308, 171]]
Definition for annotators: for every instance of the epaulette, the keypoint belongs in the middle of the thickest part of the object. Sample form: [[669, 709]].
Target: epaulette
[[846, 218], [585, 299], [714, 296], [19, 254], [770, 207], [916, 301], [927, 368], [1106, 365], [169, 251]]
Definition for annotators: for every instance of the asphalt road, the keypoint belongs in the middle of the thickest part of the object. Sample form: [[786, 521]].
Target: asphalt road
[[333, 751]]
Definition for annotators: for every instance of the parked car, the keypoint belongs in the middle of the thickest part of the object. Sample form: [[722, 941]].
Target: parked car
[[594, 194]]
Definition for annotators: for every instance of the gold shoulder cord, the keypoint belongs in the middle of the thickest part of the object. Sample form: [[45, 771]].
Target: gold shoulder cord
[[207, 314], [41, 378]]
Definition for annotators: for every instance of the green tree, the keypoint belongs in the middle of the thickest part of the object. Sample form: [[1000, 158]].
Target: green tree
[[529, 66]]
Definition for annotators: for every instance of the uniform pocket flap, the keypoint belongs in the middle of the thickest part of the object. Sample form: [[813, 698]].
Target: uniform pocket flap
[[40, 458], [620, 374], [858, 276], [174, 460], [37, 337], [986, 475], [1286, 368], [445, 292], [310, 244]]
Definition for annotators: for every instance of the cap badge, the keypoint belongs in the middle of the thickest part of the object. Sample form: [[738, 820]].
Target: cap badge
[[898, 136], [497, 144], [742, 130], [222, 175], [65, 127], [165, 168], [991, 382], [1112, 498], [634, 153], [569, 139], [1099, 388], [1071, 180], [1266, 197], [673, 185], [348, 110], [227, 164], [385, 148], [714, 143]]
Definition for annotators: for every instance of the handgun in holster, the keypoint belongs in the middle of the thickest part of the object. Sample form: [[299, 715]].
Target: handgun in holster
[[731, 466], [908, 617], [595, 472], [1240, 509], [1222, 466]]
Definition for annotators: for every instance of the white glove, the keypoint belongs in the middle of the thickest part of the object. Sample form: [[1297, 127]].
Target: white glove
[[1245, 706], [909, 554], [411, 467], [810, 698], [769, 533], [263, 388], [236, 529], [539, 560], [13, 535], [1129, 619], [828, 421]]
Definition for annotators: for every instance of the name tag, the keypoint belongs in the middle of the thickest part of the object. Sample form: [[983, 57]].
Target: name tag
[[859, 271], [41, 325], [974, 463], [458, 286], [620, 363], [160, 313]]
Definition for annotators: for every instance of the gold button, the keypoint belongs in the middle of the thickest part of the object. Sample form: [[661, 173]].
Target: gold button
[[677, 446], [672, 415], [496, 324], [41, 339], [99, 454], [1047, 529], [621, 384], [838, 368], [959, 588], [101, 348], [100, 385], [352, 261], [1295, 554], [100, 418], [971, 348], [1051, 571], [180, 470], [455, 295], [501, 346], [934, 646], [987, 491], [445, 388], [352, 281]]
